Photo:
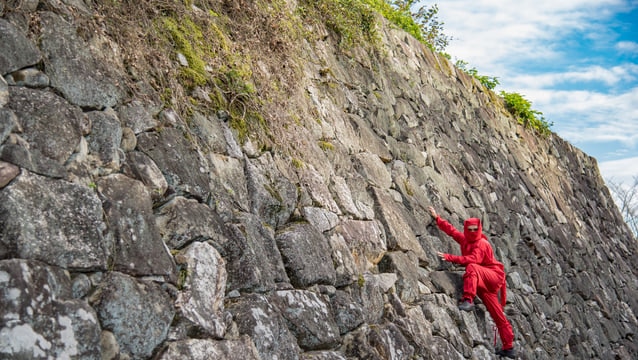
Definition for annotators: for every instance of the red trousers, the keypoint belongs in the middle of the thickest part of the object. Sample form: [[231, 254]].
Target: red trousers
[[485, 283]]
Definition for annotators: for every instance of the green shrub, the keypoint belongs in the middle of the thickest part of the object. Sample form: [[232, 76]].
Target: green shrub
[[352, 20], [398, 15], [521, 109], [423, 25], [489, 82]]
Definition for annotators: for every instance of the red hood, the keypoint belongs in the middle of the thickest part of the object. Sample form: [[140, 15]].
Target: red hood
[[472, 236]]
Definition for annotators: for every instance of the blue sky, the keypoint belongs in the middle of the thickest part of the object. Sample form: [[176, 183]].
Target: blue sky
[[575, 60]]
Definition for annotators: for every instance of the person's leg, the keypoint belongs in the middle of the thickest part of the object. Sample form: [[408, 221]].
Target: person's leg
[[487, 284], [493, 306], [471, 281]]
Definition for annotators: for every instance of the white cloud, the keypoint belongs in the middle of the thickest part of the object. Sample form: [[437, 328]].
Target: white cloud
[[587, 116], [489, 33], [592, 74], [528, 45], [627, 47], [619, 171], [503, 41]]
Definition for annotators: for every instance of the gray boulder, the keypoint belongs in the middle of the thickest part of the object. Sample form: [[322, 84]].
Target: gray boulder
[[105, 137], [21, 155], [182, 221], [256, 317], [138, 116], [309, 318], [4, 92], [366, 241], [16, 50], [306, 255], [201, 299], [348, 314], [343, 261], [54, 221], [184, 168], [196, 349], [8, 172], [141, 167], [405, 266], [378, 342], [48, 122], [30, 77], [85, 75], [139, 249], [252, 258], [39, 317], [138, 313], [399, 233], [271, 195]]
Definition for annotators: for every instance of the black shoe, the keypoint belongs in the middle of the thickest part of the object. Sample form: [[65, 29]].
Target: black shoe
[[509, 353], [466, 305]]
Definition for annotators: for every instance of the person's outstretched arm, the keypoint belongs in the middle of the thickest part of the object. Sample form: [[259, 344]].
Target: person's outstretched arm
[[476, 257], [447, 228]]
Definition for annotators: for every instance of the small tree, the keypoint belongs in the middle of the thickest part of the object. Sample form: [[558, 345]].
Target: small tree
[[427, 20], [431, 26], [626, 198]]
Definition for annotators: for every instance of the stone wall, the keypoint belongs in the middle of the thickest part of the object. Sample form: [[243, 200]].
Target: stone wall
[[127, 232]]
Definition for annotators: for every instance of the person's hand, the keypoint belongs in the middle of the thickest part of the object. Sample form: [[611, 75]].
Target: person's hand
[[433, 212], [441, 255]]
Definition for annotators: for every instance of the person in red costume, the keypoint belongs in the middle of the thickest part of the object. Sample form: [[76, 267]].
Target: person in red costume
[[484, 275]]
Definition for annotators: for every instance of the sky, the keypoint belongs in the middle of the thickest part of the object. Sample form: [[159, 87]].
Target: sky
[[576, 61]]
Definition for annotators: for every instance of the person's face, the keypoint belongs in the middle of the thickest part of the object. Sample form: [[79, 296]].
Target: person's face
[[472, 228]]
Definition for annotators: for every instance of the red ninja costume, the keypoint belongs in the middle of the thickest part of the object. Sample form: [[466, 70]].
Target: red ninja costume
[[484, 275]]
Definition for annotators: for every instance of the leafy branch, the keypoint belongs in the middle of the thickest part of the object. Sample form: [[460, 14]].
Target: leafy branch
[[489, 82], [423, 24], [522, 111]]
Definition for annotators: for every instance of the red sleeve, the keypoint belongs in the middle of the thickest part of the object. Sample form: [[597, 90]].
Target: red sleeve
[[450, 230], [476, 257]]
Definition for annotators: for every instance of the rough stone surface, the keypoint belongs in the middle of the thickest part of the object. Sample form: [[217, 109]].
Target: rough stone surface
[[253, 260], [279, 209], [29, 77], [366, 240], [406, 269], [139, 249], [137, 313], [33, 160], [8, 172], [39, 318], [85, 75], [141, 167], [106, 135], [309, 318], [54, 221], [306, 255], [263, 322], [272, 195], [4, 92], [137, 116], [203, 287], [174, 155], [16, 50], [195, 349], [182, 221], [48, 122]]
